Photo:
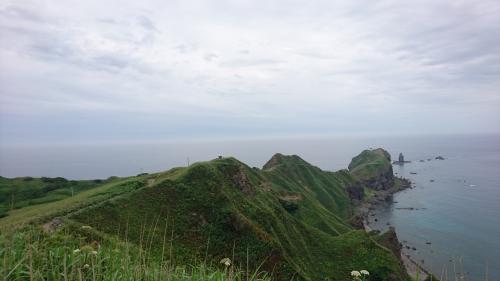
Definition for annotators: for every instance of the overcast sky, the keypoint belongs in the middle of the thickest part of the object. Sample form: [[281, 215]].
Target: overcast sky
[[159, 70]]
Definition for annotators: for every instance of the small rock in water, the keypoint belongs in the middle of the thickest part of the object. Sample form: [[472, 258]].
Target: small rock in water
[[428, 243], [439, 158], [413, 248], [413, 173], [431, 180]]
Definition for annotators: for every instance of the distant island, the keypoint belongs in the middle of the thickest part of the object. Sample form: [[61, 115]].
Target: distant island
[[287, 220]]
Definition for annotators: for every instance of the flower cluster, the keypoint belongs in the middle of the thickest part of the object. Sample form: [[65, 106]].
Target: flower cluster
[[86, 249], [359, 275], [226, 262]]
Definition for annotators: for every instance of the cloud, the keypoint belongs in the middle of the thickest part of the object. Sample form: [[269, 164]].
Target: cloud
[[335, 64], [146, 23], [250, 62], [210, 56]]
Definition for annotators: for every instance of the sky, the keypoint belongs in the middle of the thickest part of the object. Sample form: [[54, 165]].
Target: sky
[[81, 71]]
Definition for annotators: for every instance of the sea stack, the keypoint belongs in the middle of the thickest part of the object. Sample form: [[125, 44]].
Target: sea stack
[[401, 159]]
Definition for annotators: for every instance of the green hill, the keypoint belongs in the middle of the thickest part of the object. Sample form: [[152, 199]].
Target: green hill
[[290, 218], [21, 192], [373, 168]]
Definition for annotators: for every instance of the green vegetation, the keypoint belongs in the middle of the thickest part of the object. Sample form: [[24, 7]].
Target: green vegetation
[[368, 193], [39, 213], [288, 219], [370, 164], [26, 191], [72, 253]]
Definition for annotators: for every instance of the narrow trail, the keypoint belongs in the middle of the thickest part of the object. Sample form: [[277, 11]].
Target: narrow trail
[[149, 183], [51, 221]]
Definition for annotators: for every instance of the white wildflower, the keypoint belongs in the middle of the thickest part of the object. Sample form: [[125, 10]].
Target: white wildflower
[[364, 272], [94, 252], [226, 261], [76, 251], [355, 273]]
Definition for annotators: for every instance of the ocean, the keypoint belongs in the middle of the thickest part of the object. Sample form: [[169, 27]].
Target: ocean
[[451, 217]]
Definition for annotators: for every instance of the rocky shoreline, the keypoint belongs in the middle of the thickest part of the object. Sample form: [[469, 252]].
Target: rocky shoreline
[[379, 198]]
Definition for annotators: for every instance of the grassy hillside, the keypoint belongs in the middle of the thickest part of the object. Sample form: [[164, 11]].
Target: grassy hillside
[[72, 254], [26, 191], [290, 218], [292, 215], [371, 163], [17, 218]]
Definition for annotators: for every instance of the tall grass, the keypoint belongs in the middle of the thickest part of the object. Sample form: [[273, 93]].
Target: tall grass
[[32, 254]]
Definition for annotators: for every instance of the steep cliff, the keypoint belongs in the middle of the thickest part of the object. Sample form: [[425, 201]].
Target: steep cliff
[[373, 169]]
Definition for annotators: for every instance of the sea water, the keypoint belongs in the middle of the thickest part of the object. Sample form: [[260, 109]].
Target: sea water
[[451, 217]]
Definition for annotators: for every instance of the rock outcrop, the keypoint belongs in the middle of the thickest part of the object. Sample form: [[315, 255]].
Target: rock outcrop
[[355, 192], [241, 181], [373, 169]]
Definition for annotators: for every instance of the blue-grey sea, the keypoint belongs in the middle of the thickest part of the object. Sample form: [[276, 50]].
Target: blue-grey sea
[[456, 201]]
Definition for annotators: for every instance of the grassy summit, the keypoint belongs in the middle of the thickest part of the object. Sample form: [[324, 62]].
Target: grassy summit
[[371, 163], [289, 218]]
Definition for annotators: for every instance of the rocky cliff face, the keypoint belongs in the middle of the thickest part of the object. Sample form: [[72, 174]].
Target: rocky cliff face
[[390, 240], [356, 192], [372, 169], [383, 181]]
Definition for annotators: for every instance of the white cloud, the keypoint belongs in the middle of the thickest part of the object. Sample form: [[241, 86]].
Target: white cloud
[[230, 64]]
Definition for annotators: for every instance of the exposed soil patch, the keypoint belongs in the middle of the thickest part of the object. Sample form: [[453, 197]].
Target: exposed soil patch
[[266, 186], [241, 181], [291, 197], [52, 225]]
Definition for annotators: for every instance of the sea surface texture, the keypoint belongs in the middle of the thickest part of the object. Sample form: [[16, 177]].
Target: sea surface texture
[[450, 220], [451, 217]]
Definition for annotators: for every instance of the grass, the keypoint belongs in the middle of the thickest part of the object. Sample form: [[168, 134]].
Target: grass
[[31, 254], [368, 193], [37, 213], [205, 204], [289, 220], [26, 191], [370, 163]]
